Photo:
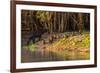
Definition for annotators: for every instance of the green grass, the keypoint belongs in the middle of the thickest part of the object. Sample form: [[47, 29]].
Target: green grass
[[78, 41], [72, 42], [31, 47]]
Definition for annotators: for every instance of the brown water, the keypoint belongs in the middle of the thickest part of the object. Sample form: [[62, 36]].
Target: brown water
[[42, 55]]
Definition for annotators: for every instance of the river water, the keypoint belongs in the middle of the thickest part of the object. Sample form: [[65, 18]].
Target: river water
[[43, 55]]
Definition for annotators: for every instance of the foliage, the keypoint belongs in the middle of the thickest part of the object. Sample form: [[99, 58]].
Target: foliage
[[31, 47], [56, 21], [79, 41]]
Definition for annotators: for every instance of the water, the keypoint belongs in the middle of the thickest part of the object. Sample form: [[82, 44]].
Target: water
[[43, 55]]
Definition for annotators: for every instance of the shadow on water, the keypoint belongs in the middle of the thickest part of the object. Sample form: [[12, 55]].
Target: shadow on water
[[39, 55], [42, 55]]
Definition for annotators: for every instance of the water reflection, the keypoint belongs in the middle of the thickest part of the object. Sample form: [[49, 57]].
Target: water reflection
[[42, 55]]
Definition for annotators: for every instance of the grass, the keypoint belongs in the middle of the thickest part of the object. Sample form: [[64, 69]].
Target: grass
[[78, 41], [31, 47]]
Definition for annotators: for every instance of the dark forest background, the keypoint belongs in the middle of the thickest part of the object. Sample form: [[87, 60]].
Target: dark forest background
[[54, 21]]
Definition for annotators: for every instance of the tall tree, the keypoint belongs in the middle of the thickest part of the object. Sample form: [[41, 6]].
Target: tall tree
[[80, 24]]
